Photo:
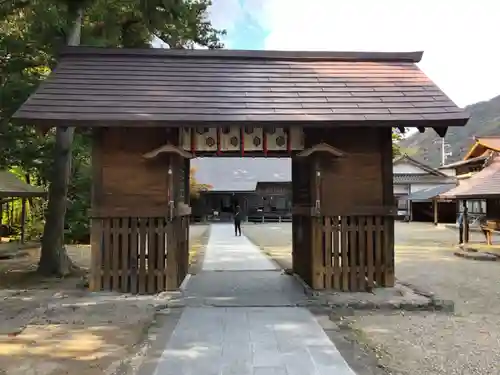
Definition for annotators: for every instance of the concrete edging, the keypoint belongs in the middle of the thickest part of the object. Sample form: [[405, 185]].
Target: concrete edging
[[348, 308]]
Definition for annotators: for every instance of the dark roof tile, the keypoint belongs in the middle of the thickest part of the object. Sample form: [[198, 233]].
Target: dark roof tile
[[93, 86]]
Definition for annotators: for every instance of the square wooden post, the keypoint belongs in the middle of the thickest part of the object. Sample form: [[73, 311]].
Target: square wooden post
[[316, 252], [388, 201]]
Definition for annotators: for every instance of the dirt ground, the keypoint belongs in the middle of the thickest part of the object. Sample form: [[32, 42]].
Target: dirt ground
[[55, 327], [466, 342]]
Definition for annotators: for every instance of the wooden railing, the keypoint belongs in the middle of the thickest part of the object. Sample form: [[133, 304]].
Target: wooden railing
[[357, 252], [138, 254]]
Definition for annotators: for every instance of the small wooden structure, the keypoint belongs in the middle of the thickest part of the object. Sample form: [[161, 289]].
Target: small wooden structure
[[483, 185], [263, 201], [12, 188], [415, 186], [331, 112]]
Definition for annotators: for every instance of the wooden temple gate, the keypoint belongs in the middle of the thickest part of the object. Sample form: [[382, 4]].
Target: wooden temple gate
[[150, 111]]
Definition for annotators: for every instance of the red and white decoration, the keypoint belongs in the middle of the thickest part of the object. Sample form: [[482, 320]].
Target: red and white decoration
[[230, 138], [252, 139], [242, 139]]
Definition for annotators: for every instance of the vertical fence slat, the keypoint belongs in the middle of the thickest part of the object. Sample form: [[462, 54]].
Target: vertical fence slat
[[388, 252], [125, 255], [161, 255], [107, 250], [369, 251], [134, 233], [142, 255], [171, 258], [96, 249], [362, 252], [378, 250], [316, 255], [152, 252], [353, 252], [344, 252], [327, 251], [336, 253], [116, 254]]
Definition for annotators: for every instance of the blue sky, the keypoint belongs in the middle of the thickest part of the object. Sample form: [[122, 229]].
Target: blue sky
[[458, 37], [248, 32]]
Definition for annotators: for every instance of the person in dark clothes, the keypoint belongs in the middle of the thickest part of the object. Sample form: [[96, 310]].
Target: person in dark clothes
[[460, 228], [237, 221]]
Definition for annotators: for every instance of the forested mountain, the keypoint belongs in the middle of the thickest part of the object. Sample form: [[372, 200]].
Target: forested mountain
[[426, 147]]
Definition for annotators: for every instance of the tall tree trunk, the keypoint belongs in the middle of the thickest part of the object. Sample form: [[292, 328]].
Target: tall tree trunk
[[54, 260]]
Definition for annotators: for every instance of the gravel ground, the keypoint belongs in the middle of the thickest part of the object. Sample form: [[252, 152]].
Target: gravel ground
[[467, 342], [54, 327]]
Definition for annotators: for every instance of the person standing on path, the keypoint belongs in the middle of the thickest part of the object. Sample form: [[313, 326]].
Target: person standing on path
[[237, 221], [460, 228]]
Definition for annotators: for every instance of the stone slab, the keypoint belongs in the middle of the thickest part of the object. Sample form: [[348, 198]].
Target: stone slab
[[244, 288], [274, 341], [249, 338], [227, 252]]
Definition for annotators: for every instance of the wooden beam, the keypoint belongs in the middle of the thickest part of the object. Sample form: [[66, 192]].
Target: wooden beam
[[421, 129], [401, 129], [169, 149], [323, 148]]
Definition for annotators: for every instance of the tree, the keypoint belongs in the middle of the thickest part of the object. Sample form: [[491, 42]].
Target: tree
[[396, 148], [54, 259], [30, 34], [195, 188]]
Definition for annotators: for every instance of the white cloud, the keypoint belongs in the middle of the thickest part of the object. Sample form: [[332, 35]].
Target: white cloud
[[459, 38]]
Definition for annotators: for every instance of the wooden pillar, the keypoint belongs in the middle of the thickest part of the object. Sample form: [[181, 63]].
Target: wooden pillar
[[316, 250], [172, 240], [296, 235], [96, 225], [301, 218], [388, 200]]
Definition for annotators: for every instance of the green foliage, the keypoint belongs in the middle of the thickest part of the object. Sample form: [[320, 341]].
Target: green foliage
[[31, 33], [195, 188], [396, 138]]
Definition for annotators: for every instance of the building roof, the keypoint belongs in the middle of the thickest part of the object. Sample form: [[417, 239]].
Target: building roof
[[159, 87], [460, 163], [13, 187], [241, 174], [405, 158], [483, 184], [428, 193], [482, 145], [412, 178]]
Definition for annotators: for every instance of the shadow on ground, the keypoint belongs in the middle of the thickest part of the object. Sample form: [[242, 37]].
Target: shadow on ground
[[55, 326]]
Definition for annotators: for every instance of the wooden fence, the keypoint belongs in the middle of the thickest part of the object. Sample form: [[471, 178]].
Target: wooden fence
[[357, 252], [139, 255]]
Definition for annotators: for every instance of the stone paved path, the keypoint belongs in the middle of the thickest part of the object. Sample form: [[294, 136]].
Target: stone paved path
[[240, 319]]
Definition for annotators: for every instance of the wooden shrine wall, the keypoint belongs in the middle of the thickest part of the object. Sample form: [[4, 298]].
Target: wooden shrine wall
[[356, 179], [139, 245], [124, 181], [349, 243]]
